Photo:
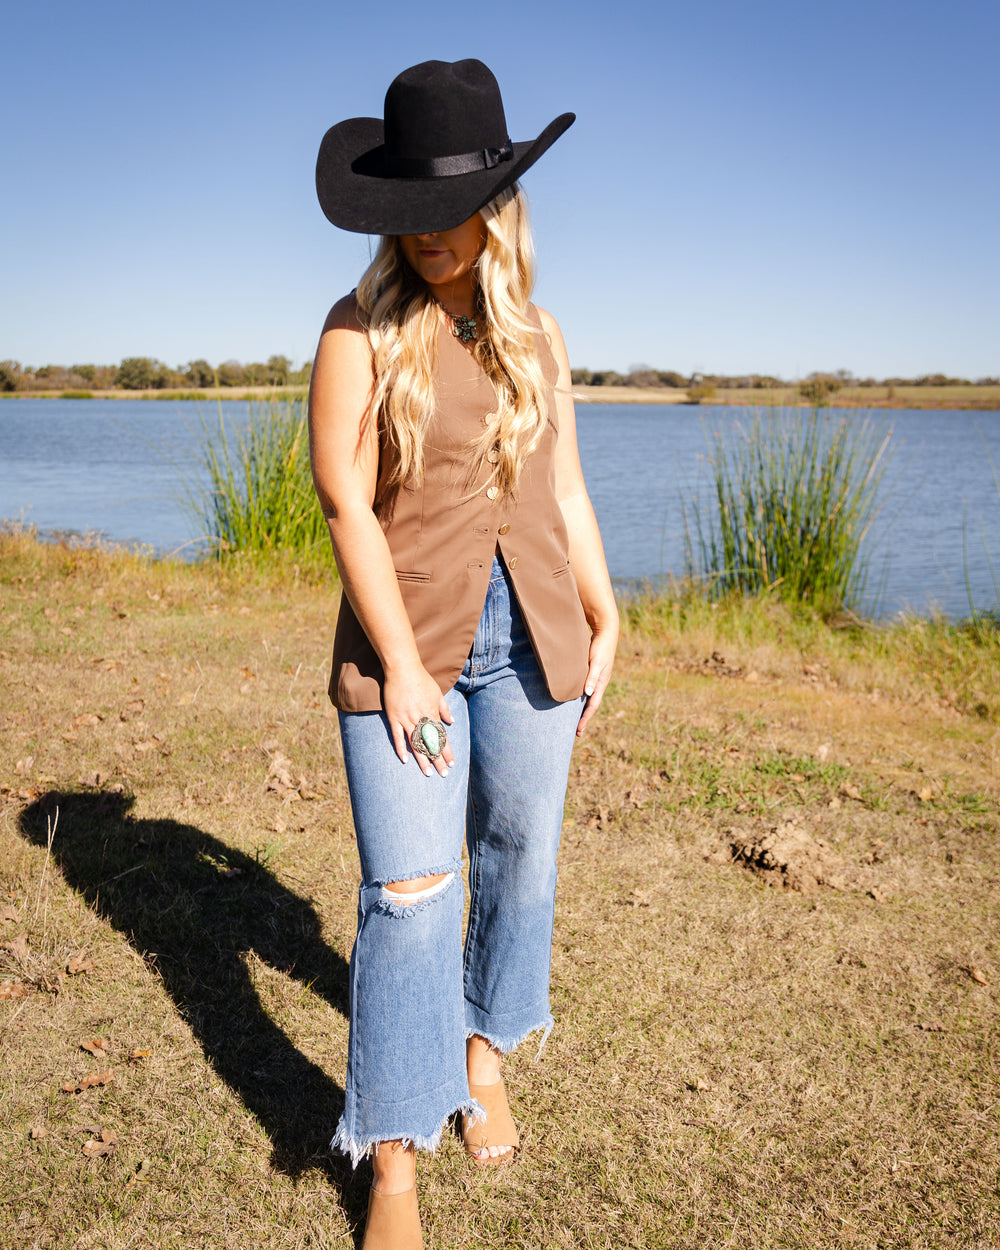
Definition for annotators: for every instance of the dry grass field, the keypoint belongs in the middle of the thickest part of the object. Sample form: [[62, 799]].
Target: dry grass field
[[776, 955]]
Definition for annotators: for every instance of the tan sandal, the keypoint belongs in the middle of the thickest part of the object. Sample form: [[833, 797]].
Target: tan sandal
[[393, 1222], [498, 1129]]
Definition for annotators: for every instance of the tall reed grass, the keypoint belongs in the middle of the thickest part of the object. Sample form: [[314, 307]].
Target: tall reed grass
[[260, 499], [986, 623], [796, 493]]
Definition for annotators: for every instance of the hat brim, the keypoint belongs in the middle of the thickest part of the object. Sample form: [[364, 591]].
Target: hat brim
[[369, 203]]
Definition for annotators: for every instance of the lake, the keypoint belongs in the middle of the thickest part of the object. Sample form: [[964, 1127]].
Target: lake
[[117, 468]]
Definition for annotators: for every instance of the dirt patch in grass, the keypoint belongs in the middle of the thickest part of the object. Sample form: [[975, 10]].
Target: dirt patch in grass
[[732, 1065]]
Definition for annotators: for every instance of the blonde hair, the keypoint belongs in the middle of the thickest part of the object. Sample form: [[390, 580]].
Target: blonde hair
[[403, 322]]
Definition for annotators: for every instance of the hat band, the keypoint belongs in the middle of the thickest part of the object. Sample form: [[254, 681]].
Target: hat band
[[446, 166]]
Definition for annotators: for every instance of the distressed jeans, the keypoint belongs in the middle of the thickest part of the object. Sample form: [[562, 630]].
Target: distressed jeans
[[415, 994]]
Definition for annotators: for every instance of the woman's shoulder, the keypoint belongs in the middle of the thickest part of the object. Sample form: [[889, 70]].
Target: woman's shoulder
[[543, 317], [552, 334], [346, 314]]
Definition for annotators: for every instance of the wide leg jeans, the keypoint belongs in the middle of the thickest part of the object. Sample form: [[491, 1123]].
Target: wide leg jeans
[[415, 993]]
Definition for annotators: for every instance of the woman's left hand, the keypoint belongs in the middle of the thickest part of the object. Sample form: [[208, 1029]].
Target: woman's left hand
[[602, 657]]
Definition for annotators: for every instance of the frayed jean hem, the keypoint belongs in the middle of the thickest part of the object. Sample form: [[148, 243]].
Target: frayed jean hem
[[360, 1148], [505, 1043]]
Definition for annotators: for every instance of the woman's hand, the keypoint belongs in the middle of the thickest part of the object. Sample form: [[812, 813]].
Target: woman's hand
[[603, 643], [408, 695]]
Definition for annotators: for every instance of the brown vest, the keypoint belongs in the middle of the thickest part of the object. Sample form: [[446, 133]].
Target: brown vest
[[443, 534]]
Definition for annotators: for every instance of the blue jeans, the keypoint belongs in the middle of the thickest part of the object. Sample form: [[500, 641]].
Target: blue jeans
[[415, 995]]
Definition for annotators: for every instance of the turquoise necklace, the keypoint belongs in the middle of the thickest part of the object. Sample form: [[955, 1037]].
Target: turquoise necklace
[[463, 328]]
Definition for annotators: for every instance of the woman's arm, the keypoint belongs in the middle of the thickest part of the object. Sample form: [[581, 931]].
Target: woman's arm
[[586, 551], [343, 445]]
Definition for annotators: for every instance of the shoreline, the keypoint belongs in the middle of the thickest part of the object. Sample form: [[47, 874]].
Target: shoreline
[[944, 398]]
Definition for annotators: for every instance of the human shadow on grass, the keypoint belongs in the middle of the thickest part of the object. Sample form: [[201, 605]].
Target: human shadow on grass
[[192, 906]]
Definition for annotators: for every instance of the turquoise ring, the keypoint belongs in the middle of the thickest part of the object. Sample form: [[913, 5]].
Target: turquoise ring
[[429, 737]]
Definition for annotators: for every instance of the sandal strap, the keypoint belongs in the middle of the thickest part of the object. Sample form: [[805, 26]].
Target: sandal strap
[[498, 1129], [393, 1222]]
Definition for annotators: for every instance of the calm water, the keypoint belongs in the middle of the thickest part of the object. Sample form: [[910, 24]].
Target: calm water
[[119, 468]]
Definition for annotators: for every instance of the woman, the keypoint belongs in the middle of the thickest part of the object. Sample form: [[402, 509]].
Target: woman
[[477, 628]]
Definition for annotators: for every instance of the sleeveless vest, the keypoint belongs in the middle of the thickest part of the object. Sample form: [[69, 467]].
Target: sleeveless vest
[[443, 533]]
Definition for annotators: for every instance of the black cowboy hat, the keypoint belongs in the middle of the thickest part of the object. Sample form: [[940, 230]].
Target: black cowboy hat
[[442, 153]]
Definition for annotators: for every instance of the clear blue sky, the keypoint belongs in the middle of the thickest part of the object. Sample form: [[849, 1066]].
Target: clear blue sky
[[775, 187]]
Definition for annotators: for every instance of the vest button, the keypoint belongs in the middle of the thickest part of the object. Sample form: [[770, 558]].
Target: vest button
[[512, 562], [504, 529], [493, 492]]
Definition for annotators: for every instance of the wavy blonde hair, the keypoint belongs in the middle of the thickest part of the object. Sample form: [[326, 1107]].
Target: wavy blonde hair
[[403, 322]]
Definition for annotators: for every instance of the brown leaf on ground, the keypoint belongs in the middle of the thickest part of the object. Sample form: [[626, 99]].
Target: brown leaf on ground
[[38, 1131], [97, 1046], [81, 962], [851, 791], [88, 1082], [86, 718], [135, 1053], [788, 856], [23, 767], [8, 914], [18, 947], [14, 989], [932, 1026], [978, 975], [102, 1145]]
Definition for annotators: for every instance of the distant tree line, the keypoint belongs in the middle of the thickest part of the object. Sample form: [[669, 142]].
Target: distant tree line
[[143, 373], [816, 386]]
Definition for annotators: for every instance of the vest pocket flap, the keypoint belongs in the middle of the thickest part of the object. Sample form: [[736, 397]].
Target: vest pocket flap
[[405, 576], [561, 571]]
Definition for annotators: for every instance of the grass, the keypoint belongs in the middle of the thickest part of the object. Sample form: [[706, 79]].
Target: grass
[[261, 501], [733, 1065], [796, 494]]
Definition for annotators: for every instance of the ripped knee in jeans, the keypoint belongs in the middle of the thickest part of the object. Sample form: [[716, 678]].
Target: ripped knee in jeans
[[408, 894]]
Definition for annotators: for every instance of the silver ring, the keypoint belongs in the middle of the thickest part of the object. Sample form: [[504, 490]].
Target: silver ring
[[429, 737]]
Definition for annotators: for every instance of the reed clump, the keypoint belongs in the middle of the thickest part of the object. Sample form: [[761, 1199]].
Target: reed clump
[[260, 500], [796, 495]]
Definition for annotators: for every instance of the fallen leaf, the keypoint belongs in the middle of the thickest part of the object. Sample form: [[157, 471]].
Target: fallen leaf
[[931, 1026], [38, 1132], [88, 1082], [23, 767], [86, 718], [851, 791], [80, 962], [978, 975], [13, 989], [96, 1078], [925, 795], [103, 1145], [135, 1053], [18, 947], [8, 913], [97, 1047]]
